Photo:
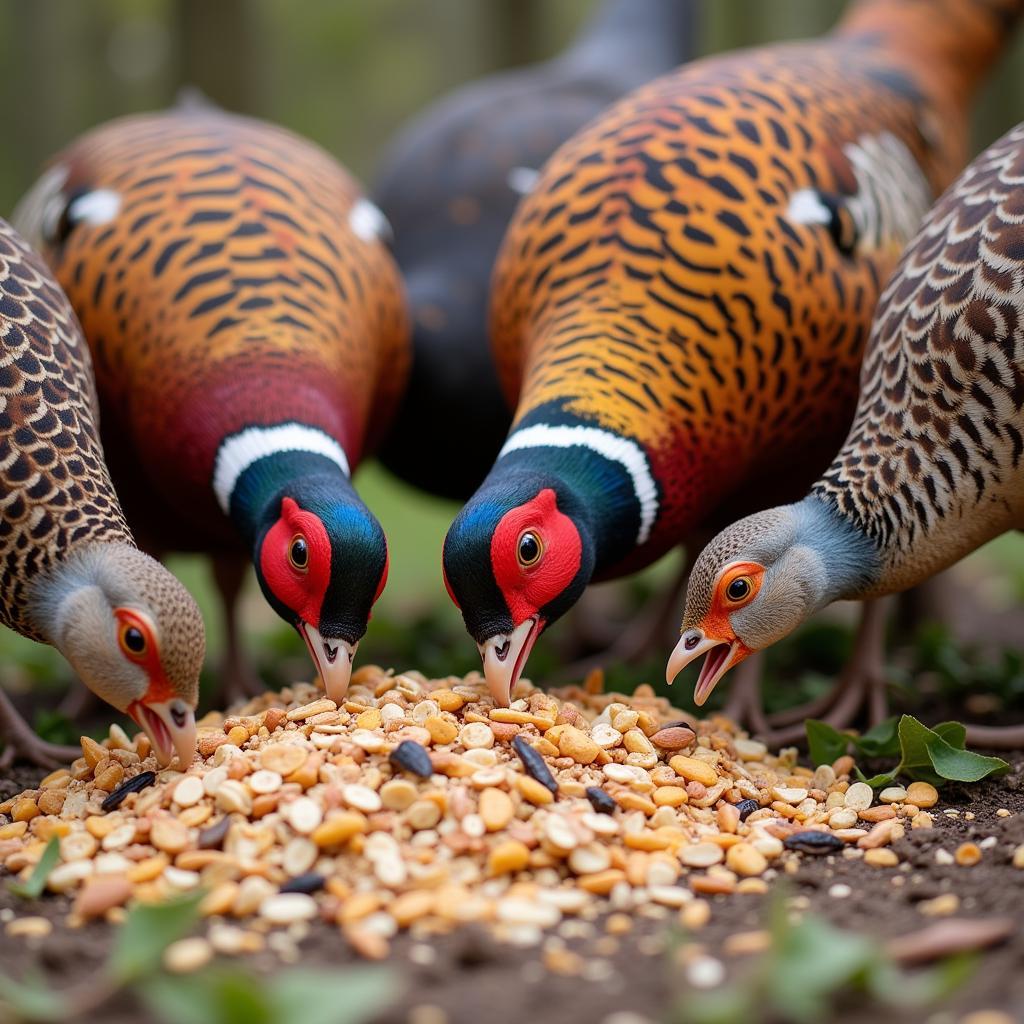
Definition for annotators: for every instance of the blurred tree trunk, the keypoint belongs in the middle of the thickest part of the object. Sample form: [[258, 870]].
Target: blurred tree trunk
[[217, 51], [513, 30]]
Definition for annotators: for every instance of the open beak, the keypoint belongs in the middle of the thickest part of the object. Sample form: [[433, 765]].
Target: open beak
[[721, 656], [504, 658], [171, 728], [333, 660]]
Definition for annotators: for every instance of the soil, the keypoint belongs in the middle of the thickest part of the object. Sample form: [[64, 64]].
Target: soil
[[471, 978]]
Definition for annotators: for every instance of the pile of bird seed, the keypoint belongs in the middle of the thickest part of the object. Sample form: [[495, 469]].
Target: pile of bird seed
[[418, 804]]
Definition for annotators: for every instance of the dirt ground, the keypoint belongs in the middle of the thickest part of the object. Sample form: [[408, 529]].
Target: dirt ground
[[471, 978]]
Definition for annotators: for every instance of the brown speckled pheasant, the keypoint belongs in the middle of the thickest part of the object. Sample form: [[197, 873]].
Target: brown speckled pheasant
[[681, 303], [72, 576], [933, 466], [250, 339]]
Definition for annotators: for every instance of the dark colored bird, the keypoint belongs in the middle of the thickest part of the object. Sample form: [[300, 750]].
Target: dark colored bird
[[933, 466], [682, 302], [449, 186], [249, 334], [72, 575]]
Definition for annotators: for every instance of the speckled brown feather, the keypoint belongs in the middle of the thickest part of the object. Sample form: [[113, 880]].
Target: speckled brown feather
[[56, 497], [932, 467], [654, 285]]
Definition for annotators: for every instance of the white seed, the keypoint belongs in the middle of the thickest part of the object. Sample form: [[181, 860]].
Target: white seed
[[299, 856], [516, 910], [605, 736], [78, 846], [824, 776], [586, 860], [893, 795], [371, 742], [120, 837], [288, 907], [629, 775], [750, 750], [212, 780], [265, 781], [669, 895], [176, 878], [473, 825], [111, 864], [661, 873], [701, 855], [843, 817], [189, 791], [424, 710], [602, 824], [859, 796], [67, 876], [225, 752], [234, 797], [304, 815], [392, 712], [362, 798], [476, 734], [559, 834], [789, 795], [187, 955], [390, 870], [482, 756], [397, 794]]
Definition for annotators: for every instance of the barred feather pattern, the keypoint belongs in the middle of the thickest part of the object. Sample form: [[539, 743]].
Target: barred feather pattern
[[55, 492], [933, 466]]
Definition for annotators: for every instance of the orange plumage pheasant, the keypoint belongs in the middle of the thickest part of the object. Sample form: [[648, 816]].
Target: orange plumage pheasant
[[681, 304], [250, 340]]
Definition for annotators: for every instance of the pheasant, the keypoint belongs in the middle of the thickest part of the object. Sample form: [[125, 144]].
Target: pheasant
[[250, 339], [72, 575], [449, 185], [933, 466], [682, 302]]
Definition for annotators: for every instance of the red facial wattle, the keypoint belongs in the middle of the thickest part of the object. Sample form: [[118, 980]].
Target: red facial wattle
[[527, 589], [301, 590]]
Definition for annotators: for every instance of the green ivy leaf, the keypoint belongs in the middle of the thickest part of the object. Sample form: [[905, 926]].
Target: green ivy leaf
[[826, 743], [953, 733], [962, 765], [331, 997], [881, 741], [33, 999], [876, 781], [33, 888], [147, 931]]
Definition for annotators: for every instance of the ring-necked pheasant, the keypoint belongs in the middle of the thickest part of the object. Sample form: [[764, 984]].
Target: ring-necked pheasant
[[682, 301], [250, 339], [449, 185], [933, 466], [72, 575]]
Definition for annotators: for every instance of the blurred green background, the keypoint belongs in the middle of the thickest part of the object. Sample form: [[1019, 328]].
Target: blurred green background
[[348, 73]]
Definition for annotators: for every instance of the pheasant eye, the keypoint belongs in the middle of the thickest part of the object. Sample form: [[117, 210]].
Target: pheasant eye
[[529, 549], [133, 640], [738, 589], [298, 553]]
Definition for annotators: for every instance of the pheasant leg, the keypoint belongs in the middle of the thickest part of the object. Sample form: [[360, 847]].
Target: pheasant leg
[[21, 742], [239, 680]]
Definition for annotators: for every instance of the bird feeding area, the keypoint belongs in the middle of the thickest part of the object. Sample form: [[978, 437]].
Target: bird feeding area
[[559, 828]]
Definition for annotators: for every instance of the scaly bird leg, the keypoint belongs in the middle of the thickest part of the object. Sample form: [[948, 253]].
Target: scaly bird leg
[[861, 684], [21, 741], [239, 680]]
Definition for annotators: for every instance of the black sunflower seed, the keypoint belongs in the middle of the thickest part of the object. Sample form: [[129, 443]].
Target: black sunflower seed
[[311, 881], [212, 837], [600, 800], [813, 841], [535, 765], [747, 808], [413, 757], [133, 785]]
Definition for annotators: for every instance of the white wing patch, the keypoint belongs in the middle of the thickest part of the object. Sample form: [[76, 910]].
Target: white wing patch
[[238, 452], [522, 179], [368, 222], [626, 453], [891, 199], [96, 207]]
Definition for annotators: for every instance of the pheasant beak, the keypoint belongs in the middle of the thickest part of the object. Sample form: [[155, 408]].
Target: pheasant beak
[[721, 656], [333, 659], [504, 657], [171, 728]]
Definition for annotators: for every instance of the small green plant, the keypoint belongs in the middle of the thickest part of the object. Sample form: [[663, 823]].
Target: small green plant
[[215, 995], [33, 888], [927, 755], [810, 969]]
